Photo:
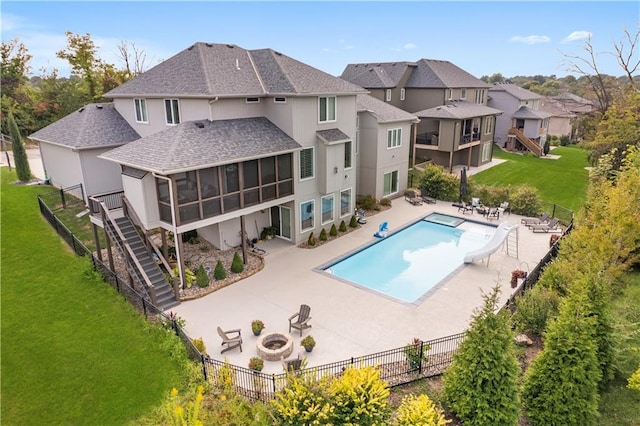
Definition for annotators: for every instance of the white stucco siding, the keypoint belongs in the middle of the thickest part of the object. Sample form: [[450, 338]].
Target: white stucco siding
[[369, 134], [141, 194], [62, 165], [227, 109], [100, 175]]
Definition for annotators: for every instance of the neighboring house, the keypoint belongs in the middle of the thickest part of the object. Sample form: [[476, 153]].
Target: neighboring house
[[70, 148], [461, 133], [576, 104], [382, 147], [560, 120], [523, 125]]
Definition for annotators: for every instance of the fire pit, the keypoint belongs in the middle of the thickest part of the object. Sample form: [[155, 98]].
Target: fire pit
[[275, 346]]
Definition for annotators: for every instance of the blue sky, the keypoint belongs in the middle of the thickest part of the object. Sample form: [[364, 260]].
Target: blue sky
[[513, 38]]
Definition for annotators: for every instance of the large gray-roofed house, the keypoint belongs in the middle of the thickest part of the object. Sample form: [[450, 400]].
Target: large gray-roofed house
[[204, 143], [206, 70], [515, 91], [433, 73], [70, 148], [383, 112], [376, 75]]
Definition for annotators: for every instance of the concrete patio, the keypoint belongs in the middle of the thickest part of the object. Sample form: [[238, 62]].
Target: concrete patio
[[348, 321]]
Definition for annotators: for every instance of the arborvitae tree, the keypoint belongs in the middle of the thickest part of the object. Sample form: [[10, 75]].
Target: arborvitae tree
[[481, 386], [561, 385], [343, 227], [19, 154], [333, 231], [354, 222], [236, 265], [219, 273], [202, 279], [312, 240], [323, 235]]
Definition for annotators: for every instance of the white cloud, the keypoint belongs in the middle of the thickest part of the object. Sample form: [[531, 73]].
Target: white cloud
[[11, 22], [532, 39], [409, 46], [576, 36]]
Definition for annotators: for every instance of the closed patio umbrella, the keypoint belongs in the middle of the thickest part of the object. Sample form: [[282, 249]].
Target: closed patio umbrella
[[464, 191]]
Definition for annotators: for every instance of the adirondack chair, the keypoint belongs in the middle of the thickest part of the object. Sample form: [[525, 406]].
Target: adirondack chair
[[231, 342], [300, 319]]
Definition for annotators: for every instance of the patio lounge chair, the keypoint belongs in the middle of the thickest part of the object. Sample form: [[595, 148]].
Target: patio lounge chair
[[535, 220], [546, 227], [411, 197], [231, 342], [493, 213], [426, 198], [300, 319], [465, 208]]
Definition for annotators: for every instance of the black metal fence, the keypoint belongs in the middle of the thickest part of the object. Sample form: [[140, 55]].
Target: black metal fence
[[397, 366]]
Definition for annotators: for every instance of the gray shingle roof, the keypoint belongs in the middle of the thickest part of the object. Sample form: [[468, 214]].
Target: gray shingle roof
[[459, 110], [209, 70], [426, 73], [92, 126], [555, 108], [526, 112], [330, 136], [376, 75], [382, 111], [198, 144], [515, 91]]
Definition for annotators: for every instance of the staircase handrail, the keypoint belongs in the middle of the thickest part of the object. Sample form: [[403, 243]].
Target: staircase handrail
[[130, 252], [131, 213], [526, 141]]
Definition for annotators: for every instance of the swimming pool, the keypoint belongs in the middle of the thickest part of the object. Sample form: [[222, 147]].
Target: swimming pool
[[409, 263]]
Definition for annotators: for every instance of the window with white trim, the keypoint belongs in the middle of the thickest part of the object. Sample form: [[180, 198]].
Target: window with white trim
[[488, 125], [306, 163], [388, 96], [327, 209], [141, 110], [480, 96], [390, 183], [394, 138], [326, 108], [307, 217], [172, 111], [348, 155], [463, 93], [402, 94], [345, 202]]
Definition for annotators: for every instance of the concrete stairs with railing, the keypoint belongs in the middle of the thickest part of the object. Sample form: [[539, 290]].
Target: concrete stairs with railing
[[165, 296]]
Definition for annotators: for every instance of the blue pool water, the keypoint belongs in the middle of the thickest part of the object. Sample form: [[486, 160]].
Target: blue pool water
[[409, 263]]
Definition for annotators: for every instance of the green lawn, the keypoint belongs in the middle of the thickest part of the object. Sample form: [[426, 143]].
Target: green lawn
[[73, 350], [563, 181]]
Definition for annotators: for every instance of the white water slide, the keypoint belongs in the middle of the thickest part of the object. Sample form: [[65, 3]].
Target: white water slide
[[496, 241]]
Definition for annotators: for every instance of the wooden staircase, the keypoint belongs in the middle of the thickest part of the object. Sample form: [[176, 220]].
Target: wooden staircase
[[530, 144]]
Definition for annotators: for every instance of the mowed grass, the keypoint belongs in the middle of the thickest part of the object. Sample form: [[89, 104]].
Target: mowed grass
[[563, 181], [73, 351]]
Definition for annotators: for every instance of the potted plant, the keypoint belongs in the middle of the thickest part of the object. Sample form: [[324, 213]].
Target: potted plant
[[515, 275], [257, 326], [268, 232], [308, 343], [415, 352], [256, 364]]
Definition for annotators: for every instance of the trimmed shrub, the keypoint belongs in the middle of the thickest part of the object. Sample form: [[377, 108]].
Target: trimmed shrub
[[190, 237], [359, 397], [311, 241], [353, 223], [343, 226], [481, 386], [491, 195], [202, 279], [562, 382], [237, 265], [419, 411], [219, 273], [565, 140], [323, 235], [199, 344], [546, 148], [367, 202], [525, 201], [440, 185], [303, 401], [534, 309], [333, 231], [385, 202]]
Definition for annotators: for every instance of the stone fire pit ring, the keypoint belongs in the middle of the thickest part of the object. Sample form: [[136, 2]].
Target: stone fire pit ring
[[274, 346]]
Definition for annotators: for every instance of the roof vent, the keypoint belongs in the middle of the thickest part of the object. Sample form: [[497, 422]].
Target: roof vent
[[230, 46], [81, 109], [99, 106], [277, 53], [199, 125], [209, 44], [191, 47]]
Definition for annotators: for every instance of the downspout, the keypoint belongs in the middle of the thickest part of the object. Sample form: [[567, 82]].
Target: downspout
[[211, 102], [175, 229]]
